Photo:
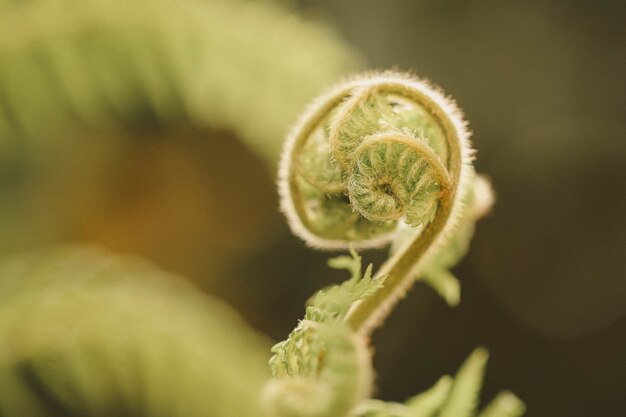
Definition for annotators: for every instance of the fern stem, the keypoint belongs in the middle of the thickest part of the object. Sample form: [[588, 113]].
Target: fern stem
[[404, 268]]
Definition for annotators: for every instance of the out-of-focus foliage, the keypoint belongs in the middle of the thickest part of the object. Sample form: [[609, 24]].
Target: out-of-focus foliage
[[233, 65], [86, 333], [94, 91]]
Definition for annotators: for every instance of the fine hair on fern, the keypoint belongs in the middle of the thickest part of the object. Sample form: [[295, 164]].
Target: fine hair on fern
[[382, 158]]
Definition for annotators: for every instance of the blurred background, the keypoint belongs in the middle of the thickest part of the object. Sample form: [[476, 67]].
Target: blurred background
[[153, 128]]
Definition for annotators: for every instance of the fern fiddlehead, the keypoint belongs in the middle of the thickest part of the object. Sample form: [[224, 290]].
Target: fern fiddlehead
[[376, 155], [382, 158]]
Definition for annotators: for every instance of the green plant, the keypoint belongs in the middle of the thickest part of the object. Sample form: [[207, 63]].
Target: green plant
[[384, 157], [82, 81]]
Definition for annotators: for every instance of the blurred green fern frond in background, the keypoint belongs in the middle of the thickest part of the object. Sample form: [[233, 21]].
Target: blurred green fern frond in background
[[232, 65], [86, 333], [91, 89]]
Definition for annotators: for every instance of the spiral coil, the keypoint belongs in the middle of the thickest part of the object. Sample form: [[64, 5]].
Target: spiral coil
[[374, 151]]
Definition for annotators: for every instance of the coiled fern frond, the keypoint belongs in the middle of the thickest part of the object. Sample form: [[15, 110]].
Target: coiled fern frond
[[385, 158], [382, 158]]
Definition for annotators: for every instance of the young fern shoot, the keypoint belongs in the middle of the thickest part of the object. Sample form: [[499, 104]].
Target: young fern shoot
[[383, 158]]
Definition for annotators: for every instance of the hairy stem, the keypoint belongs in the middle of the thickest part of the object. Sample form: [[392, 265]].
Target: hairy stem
[[402, 269], [367, 314]]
